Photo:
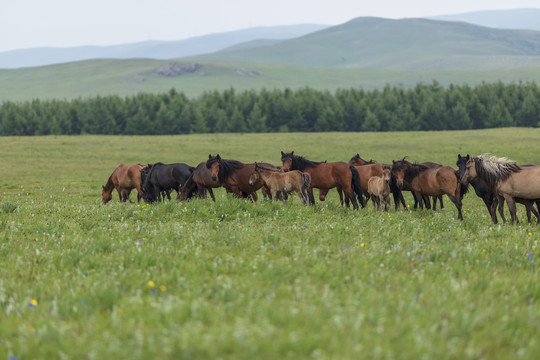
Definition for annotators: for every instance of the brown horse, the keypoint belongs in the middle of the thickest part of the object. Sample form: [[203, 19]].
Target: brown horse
[[327, 175], [507, 180], [279, 182], [234, 176], [200, 181], [423, 180], [398, 168], [379, 190], [124, 179], [356, 160]]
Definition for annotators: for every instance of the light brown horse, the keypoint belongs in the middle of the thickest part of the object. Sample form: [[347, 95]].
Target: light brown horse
[[506, 179], [423, 180], [327, 175], [124, 179], [279, 182], [379, 190]]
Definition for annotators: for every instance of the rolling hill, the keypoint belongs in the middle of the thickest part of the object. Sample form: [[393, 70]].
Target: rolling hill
[[528, 19], [364, 52], [152, 49], [405, 44]]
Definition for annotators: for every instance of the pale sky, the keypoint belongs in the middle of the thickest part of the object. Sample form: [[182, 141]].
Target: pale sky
[[67, 23]]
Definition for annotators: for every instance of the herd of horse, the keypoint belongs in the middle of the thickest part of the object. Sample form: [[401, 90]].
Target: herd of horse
[[495, 180]]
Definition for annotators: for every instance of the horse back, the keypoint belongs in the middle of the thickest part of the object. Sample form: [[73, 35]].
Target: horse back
[[524, 184], [328, 175]]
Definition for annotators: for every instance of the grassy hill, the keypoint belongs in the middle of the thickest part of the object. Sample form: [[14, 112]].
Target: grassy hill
[[500, 19], [128, 77], [364, 52], [405, 44]]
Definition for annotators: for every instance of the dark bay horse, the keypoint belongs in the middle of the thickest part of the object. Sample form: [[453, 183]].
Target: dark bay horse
[[482, 191], [124, 179], [279, 182], [234, 176], [200, 181], [164, 177], [424, 180], [506, 179], [327, 175]]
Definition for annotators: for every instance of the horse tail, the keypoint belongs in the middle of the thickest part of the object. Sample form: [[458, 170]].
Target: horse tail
[[356, 186], [186, 190], [463, 188], [306, 182]]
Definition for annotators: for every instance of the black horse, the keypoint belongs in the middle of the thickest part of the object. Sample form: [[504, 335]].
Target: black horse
[[158, 178], [483, 192]]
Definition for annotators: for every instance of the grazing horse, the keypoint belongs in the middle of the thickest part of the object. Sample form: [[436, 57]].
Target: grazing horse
[[234, 176], [423, 180], [327, 175], [164, 177], [279, 182], [124, 179], [506, 179], [200, 180], [482, 191], [379, 190]]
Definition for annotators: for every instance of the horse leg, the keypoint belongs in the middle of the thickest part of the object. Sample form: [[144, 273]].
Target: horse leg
[[349, 195], [440, 202], [418, 198], [212, 194], [457, 202], [500, 203], [512, 208], [373, 202], [310, 195]]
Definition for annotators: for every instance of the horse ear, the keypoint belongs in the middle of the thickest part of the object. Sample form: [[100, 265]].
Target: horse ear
[[218, 157], [393, 161], [357, 155], [459, 156], [282, 153], [468, 156], [292, 153], [209, 156]]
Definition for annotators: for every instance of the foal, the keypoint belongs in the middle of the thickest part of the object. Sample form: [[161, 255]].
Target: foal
[[282, 182], [379, 189]]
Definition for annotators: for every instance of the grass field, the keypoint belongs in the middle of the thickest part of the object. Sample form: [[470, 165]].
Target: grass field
[[240, 280]]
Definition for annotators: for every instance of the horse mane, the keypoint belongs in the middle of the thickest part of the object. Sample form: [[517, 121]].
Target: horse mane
[[357, 156], [226, 167], [109, 184], [493, 169], [300, 162], [265, 168]]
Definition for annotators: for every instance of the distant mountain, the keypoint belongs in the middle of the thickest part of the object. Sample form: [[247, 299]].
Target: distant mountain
[[525, 19], [152, 49], [404, 44]]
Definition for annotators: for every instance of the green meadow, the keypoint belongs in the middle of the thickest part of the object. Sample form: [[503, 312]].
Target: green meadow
[[241, 280]]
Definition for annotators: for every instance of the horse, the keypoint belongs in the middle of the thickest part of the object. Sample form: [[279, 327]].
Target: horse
[[379, 190], [327, 175], [507, 180], [279, 182], [482, 191], [234, 176], [124, 179], [356, 160], [201, 181], [164, 177], [397, 168], [423, 180]]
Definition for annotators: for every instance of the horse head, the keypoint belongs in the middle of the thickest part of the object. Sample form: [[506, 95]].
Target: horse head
[[398, 170], [255, 175], [213, 164], [286, 159], [387, 174]]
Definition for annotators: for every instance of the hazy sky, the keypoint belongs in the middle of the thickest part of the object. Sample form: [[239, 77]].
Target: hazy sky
[[66, 23]]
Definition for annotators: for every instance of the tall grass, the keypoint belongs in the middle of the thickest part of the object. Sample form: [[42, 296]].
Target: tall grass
[[235, 279]]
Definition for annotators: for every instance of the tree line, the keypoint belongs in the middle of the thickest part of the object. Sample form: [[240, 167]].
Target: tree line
[[393, 108]]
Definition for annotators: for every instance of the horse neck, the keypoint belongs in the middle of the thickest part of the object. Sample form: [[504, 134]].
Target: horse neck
[[109, 186]]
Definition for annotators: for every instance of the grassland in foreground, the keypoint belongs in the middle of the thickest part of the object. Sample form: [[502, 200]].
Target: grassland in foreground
[[241, 280]]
